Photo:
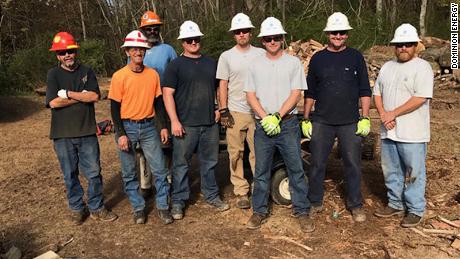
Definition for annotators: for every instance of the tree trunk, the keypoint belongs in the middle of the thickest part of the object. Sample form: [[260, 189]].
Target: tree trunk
[[82, 18], [422, 17], [378, 13]]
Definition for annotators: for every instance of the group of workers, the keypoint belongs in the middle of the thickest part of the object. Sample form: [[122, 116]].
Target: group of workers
[[253, 93]]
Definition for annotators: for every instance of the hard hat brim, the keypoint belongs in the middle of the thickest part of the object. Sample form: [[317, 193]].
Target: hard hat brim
[[241, 27], [271, 34], [344, 28], [190, 36]]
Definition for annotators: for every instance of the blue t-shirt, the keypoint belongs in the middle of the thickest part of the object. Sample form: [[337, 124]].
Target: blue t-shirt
[[336, 80]]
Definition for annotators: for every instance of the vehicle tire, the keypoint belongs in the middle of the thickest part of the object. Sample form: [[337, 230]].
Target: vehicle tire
[[279, 189]]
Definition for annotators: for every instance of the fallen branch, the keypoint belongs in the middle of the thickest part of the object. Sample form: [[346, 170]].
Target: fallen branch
[[286, 253], [290, 240], [448, 222], [442, 231], [419, 232]]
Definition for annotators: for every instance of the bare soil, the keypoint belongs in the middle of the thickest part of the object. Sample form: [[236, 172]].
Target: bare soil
[[33, 207]]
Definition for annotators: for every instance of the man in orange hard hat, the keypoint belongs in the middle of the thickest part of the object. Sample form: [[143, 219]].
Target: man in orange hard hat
[[157, 57], [71, 92]]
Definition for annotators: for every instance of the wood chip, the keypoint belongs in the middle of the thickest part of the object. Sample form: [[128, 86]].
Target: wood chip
[[289, 240]]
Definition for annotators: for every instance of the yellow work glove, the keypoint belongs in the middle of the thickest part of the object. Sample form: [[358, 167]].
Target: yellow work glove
[[307, 128], [271, 124], [364, 126]]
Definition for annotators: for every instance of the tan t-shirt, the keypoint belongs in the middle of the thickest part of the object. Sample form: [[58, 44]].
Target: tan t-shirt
[[136, 92]]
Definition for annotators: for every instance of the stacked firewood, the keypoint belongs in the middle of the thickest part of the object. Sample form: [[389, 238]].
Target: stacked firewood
[[304, 51]]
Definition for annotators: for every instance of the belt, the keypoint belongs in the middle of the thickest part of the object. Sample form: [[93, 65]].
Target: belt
[[288, 116], [145, 120]]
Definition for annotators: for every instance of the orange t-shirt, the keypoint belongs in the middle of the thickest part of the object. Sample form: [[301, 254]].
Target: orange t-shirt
[[136, 92]]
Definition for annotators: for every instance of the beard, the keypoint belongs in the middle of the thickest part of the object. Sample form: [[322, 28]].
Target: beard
[[154, 39]]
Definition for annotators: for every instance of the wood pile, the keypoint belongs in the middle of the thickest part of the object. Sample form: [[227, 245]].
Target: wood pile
[[304, 51]]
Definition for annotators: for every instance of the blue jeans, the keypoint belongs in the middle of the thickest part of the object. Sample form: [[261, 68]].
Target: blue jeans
[[322, 140], [403, 166], [81, 153], [205, 139], [288, 145], [146, 135]]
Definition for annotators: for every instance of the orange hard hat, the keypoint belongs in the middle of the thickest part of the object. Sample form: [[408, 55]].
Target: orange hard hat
[[150, 18], [63, 41]]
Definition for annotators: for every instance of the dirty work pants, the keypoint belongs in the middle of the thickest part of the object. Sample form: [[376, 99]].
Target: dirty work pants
[[146, 135], [288, 145], [403, 166], [236, 135], [81, 154], [322, 141], [205, 140]]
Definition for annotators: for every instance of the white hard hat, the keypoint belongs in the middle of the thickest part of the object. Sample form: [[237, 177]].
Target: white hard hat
[[271, 26], [189, 29], [135, 39], [405, 33], [337, 22], [241, 21]]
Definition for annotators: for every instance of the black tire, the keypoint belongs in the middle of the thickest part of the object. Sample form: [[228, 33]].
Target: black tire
[[279, 189]]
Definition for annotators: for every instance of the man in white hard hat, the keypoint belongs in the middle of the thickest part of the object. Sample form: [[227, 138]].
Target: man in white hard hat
[[402, 93], [273, 88], [134, 93], [71, 91], [189, 89], [157, 57], [337, 81], [235, 112]]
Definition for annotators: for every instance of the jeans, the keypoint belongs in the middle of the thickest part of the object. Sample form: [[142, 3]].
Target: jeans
[[288, 145], [236, 135], [403, 166], [322, 140], [81, 153], [146, 135], [205, 139]]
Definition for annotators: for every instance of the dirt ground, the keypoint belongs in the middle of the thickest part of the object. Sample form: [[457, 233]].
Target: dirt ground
[[33, 208]]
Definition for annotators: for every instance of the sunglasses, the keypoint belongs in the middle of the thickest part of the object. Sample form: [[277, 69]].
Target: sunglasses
[[276, 38], [152, 29], [239, 31], [67, 51], [191, 40], [338, 32], [405, 44]]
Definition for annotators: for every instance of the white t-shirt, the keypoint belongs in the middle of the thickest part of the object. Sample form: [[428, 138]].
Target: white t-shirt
[[396, 84], [233, 66], [273, 80]]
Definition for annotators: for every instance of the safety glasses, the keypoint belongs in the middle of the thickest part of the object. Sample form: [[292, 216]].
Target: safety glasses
[[67, 51], [335, 33], [275, 38], [405, 44], [239, 31], [152, 29], [191, 40]]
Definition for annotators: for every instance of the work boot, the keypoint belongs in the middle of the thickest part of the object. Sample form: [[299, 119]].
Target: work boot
[[242, 202], [219, 204], [177, 212], [104, 215], [411, 220], [316, 209], [165, 216], [387, 212], [139, 217], [306, 223], [256, 221], [358, 215], [77, 217], [146, 193]]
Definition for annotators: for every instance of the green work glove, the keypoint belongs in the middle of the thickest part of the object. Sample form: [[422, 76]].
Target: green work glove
[[271, 124], [364, 126], [307, 128]]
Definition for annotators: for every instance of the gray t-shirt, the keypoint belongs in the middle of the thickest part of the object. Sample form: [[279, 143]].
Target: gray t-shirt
[[273, 80], [396, 84], [233, 66]]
